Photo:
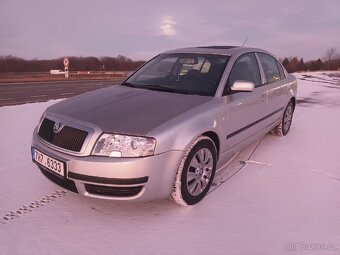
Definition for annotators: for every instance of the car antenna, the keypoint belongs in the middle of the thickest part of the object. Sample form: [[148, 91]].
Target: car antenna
[[245, 41]]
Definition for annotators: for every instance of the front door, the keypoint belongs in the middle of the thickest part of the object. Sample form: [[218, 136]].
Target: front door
[[244, 110]]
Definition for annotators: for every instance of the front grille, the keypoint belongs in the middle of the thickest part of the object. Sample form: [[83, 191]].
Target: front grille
[[113, 191], [68, 138], [63, 182]]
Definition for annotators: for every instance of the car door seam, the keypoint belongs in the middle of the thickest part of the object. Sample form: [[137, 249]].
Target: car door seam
[[252, 124]]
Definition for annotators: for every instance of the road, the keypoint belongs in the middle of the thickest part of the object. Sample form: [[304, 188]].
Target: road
[[32, 92]]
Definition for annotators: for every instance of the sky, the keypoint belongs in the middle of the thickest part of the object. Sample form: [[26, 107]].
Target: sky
[[44, 29]]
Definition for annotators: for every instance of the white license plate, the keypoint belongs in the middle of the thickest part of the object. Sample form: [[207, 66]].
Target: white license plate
[[49, 162]]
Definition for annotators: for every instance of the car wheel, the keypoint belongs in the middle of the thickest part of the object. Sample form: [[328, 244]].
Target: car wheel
[[196, 172], [283, 128]]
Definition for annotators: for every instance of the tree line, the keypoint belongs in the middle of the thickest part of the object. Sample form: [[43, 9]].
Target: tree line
[[330, 61], [120, 63]]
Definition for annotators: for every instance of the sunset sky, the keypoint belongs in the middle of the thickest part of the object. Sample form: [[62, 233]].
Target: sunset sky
[[142, 29]]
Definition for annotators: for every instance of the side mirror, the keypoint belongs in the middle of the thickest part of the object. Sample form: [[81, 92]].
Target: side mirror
[[246, 86]]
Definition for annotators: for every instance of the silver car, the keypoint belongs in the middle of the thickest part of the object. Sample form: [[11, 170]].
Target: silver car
[[166, 129]]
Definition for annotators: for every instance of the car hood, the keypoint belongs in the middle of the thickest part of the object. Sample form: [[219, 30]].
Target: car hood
[[126, 110]]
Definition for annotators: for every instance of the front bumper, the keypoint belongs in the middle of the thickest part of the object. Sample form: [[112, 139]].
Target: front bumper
[[140, 179]]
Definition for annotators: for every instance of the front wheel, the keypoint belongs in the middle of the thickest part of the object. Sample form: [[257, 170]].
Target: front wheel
[[196, 172], [283, 128]]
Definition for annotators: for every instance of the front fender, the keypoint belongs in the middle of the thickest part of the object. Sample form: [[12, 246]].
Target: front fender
[[180, 132]]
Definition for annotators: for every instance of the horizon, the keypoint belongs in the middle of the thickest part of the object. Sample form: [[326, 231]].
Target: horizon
[[138, 60]]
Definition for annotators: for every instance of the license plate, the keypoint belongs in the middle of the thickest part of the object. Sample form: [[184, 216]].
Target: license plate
[[50, 163]]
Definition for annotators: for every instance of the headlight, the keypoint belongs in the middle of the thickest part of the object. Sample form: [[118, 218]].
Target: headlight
[[124, 146]]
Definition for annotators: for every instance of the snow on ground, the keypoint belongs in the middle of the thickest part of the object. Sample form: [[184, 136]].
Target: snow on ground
[[289, 204]]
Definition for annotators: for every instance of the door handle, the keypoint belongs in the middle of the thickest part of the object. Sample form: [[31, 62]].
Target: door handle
[[263, 98]]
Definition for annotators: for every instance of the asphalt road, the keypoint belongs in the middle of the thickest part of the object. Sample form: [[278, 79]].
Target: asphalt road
[[32, 92]]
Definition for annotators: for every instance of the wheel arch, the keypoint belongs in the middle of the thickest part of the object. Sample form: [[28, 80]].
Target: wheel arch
[[293, 100], [214, 137]]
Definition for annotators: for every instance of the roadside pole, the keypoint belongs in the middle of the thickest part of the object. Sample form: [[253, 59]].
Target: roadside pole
[[66, 64]]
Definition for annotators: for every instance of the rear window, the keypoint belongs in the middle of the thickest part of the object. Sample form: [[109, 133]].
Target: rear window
[[270, 67], [282, 73]]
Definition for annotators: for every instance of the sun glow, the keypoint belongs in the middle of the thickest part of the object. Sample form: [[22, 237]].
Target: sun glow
[[168, 27]]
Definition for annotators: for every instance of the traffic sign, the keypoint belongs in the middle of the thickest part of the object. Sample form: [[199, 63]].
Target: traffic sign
[[66, 61]]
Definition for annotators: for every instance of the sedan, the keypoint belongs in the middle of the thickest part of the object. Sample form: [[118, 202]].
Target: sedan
[[166, 130]]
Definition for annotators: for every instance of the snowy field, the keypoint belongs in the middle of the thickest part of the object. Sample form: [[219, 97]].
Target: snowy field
[[285, 200]]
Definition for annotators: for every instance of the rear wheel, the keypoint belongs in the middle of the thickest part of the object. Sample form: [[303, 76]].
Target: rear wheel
[[283, 128], [196, 172]]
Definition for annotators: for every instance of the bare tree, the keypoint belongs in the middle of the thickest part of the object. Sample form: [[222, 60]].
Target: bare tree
[[330, 54]]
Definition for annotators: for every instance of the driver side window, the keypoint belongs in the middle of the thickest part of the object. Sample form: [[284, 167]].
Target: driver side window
[[244, 69]]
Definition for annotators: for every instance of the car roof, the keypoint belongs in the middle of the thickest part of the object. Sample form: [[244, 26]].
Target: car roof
[[220, 50]]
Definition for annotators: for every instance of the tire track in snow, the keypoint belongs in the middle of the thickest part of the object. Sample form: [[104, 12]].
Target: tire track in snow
[[331, 177], [32, 206], [236, 163]]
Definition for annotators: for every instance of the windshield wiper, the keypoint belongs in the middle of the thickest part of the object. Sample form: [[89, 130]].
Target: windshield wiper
[[163, 88], [128, 84], [156, 88]]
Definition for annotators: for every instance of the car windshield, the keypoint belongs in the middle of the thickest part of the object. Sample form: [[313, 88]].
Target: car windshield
[[197, 74]]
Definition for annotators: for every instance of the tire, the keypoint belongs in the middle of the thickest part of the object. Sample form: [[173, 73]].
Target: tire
[[196, 172], [283, 127]]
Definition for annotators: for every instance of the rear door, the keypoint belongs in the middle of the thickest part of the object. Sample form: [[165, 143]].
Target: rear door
[[275, 85]]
